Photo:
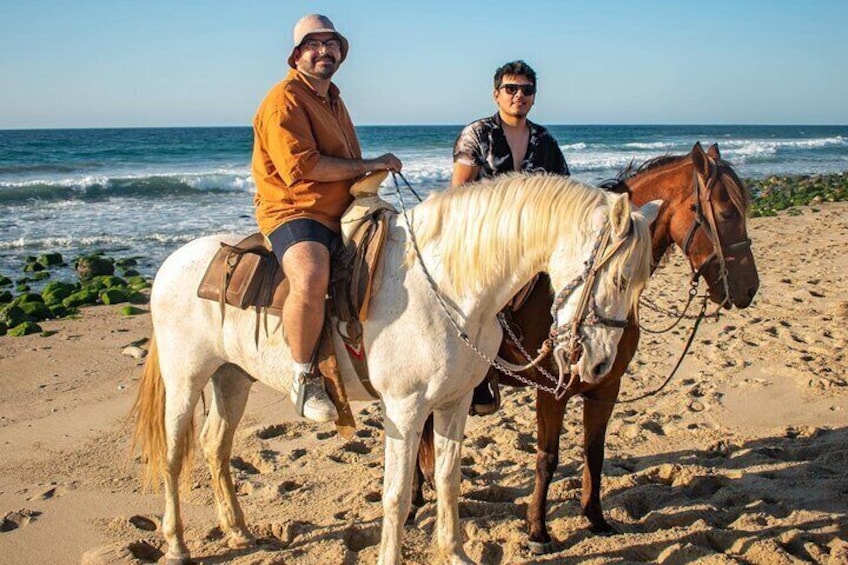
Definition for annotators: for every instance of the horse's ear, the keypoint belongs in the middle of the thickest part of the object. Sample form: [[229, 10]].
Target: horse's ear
[[619, 216], [700, 159], [713, 151], [651, 210]]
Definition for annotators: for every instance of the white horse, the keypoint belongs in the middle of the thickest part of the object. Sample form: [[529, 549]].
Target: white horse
[[481, 243]]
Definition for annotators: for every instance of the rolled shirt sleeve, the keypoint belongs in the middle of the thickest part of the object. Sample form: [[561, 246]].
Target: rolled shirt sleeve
[[468, 150], [291, 144]]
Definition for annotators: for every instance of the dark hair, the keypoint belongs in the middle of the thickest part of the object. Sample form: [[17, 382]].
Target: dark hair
[[518, 68]]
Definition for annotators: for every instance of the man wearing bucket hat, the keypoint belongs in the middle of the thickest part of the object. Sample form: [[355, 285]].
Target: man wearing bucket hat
[[306, 156]]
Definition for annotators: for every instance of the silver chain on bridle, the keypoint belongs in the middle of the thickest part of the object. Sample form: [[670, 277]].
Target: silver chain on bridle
[[586, 313]]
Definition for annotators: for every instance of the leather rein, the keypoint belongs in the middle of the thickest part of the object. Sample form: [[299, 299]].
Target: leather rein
[[705, 221]]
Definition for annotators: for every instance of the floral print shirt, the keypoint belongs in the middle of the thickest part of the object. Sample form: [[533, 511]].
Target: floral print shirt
[[483, 144]]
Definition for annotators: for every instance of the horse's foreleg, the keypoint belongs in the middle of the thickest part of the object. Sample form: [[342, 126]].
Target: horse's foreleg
[[179, 411], [549, 415], [230, 389], [403, 421], [597, 409], [449, 427]]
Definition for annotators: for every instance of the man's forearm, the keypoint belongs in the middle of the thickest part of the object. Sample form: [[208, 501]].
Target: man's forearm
[[330, 169]]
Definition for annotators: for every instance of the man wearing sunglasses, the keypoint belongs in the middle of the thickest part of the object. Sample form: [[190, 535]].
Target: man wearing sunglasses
[[507, 141], [306, 157], [503, 143]]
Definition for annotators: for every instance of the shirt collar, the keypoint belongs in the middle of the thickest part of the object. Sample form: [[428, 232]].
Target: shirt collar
[[497, 119], [296, 76]]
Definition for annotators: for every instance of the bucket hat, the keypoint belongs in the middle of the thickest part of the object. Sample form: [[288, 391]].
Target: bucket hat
[[315, 23]]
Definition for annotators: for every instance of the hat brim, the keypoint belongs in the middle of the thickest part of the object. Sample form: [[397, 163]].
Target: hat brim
[[342, 40]]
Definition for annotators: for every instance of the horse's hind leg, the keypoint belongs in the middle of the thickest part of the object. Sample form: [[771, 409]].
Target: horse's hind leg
[[449, 427], [179, 411], [549, 415], [230, 389]]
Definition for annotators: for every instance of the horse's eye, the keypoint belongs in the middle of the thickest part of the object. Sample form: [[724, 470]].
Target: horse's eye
[[729, 214], [623, 284]]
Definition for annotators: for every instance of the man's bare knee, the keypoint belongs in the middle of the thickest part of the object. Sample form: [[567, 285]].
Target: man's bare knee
[[307, 266]]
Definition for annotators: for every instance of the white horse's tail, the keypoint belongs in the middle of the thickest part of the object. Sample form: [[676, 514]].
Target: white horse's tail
[[149, 435]]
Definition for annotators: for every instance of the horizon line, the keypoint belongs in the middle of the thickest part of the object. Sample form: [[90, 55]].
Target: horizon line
[[549, 124]]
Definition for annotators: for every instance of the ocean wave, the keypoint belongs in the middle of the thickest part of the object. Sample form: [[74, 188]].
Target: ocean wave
[[54, 168], [579, 146], [95, 187], [754, 148], [653, 145], [96, 242]]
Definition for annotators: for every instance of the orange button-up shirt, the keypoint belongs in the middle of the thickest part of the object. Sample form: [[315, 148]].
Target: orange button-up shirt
[[293, 127]]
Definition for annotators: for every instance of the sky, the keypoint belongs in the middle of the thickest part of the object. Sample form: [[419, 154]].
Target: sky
[[117, 63]]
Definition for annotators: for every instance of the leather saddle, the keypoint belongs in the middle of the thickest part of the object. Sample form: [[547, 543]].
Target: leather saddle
[[248, 275]]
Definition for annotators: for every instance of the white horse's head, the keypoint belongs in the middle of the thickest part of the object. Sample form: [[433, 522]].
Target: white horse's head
[[595, 297]]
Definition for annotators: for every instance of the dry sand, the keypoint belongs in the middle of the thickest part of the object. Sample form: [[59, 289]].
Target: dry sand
[[742, 459]]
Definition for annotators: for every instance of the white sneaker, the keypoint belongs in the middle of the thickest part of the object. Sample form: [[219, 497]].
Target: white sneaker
[[317, 405]]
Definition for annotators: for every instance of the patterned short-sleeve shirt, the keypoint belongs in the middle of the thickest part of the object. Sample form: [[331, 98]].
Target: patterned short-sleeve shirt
[[483, 144]]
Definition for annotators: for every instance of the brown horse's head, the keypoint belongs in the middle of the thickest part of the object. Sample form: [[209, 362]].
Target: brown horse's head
[[705, 213], [720, 242]]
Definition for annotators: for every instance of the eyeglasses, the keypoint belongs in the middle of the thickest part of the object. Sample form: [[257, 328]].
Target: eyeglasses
[[316, 44], [511, 89]]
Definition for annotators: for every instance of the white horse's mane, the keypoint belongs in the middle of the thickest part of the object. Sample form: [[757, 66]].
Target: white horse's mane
[[493, 230]]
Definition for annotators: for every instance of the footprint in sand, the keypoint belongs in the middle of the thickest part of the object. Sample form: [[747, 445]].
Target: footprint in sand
[[145, 551], [143, 523], [350, 452], [258, 463], [51, 491], [288, 486], [289, 431], [14, 520], [356, 539]]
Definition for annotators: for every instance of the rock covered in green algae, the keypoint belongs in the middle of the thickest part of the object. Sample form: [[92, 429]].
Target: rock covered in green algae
[[113, 295], [776, 193], [24, 328], [90, 266], [50, 259], [132, 311]]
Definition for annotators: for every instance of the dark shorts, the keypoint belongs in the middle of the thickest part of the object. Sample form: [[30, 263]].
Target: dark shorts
[[302, 229]]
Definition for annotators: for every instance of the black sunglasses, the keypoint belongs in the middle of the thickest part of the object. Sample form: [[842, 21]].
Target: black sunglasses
[[526, 89]]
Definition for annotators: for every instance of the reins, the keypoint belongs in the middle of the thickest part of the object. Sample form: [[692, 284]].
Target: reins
[[708, 224], [558, 333]]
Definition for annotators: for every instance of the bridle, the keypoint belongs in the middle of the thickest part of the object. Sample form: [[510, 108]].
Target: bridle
[[705, 220], [559, 334], [567, 340]]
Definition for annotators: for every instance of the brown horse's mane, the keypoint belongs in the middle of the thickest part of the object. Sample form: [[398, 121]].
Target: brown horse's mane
[[736, 189]]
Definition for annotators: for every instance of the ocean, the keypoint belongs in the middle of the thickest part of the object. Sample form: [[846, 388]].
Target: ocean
[[144, 192]]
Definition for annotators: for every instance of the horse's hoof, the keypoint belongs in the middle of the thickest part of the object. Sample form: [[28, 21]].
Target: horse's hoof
[[540, 547], [410, 518], [604, 529], [180, 561], [241, 542]]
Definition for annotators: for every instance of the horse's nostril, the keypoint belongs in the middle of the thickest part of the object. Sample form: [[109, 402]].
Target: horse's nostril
[[599, 370]]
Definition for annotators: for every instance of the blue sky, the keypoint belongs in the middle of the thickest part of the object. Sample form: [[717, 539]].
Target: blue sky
[[193, 63]]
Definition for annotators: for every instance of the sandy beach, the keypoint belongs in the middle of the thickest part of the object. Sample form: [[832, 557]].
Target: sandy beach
[[743, 458]]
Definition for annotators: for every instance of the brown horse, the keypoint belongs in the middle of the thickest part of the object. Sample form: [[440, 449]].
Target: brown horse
[[704, 213]]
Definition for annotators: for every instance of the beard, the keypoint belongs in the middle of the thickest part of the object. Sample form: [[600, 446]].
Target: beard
[[323, 71]]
